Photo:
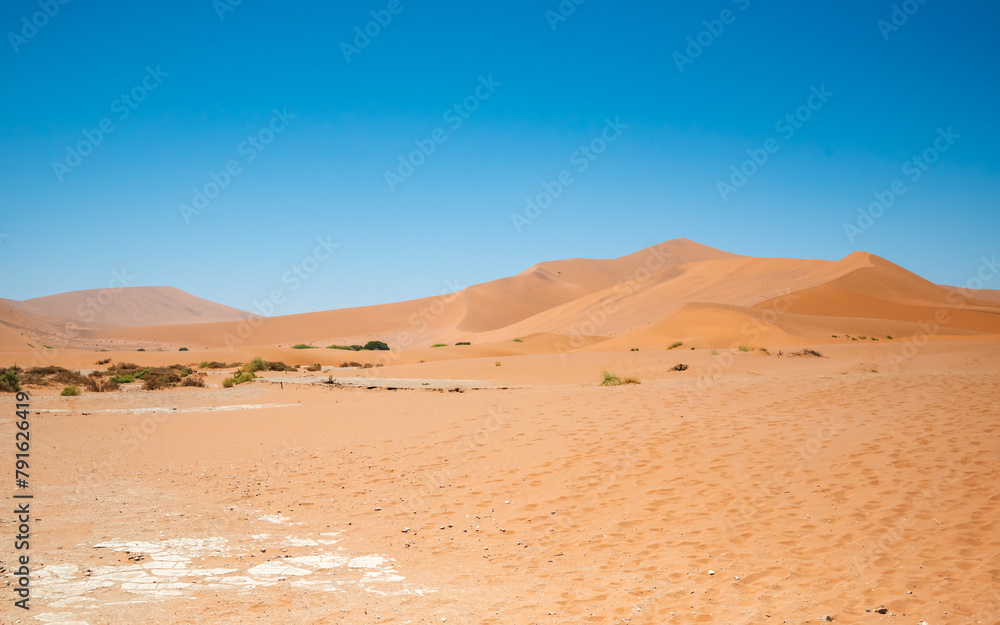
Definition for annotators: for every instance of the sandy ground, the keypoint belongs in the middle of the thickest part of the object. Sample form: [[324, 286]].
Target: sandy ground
[[748, 489]]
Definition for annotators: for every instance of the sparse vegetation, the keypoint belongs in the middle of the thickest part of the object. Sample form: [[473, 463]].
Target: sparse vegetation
[[833, 335], [314, 367], [463, 343], [10, 380], [104, 362], [218, 365], [715, 352], [497, 363], [70, 391], [194, 380], [634, 349], [440, 345], [304, 346], [611, 379], [369, 346], [807, 352], [888, 337], [745, 348], [141, 349], [675, 345], [518, 341], [241, 377], [183, 349]]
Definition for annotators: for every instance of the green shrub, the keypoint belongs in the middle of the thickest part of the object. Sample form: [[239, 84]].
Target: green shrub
[[185, 372], [745, 348], [888, 337], [183, 349], [463, 343], [356, 348], [10, 380], [518, 341], [203, 364], [675, 345], [376, 346], [70, 391], [304, 346], [227, 383], [240, 377], [610, 379], [141, 349], [440, 345], [122, 379], [255, 364]]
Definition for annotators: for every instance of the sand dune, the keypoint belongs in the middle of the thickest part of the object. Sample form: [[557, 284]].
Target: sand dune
[[676, 291], [129, 307]]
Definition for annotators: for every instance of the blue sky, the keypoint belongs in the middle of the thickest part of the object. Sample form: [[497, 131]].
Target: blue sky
[[311, 126]]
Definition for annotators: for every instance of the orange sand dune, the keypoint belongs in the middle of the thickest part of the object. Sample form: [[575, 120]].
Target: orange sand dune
[[678, 290], [129, 307]]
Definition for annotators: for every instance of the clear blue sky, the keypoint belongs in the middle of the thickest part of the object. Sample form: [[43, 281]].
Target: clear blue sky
[[449, 223]]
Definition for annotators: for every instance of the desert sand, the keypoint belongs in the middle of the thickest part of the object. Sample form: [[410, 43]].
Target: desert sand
[[758, 485]]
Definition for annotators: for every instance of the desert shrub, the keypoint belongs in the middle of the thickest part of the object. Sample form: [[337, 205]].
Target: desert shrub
[[43, 376], [185, 372], [10, 380], [463, 343], [70, 391], [497, 363], [680, 367], [376, 345], [634, 349], [227, 383], [314, 367], [518, 341], [745, 348], [122, 379], [272, 365], [140, 349], [215, 364], [807, 352], [104, 362], [610, 379], [102, 385], [304, 346], [183, 349], [256, 364], [888, 337], [356, 348], [440, 345], [194, 380], [160, 379], [675, 345]]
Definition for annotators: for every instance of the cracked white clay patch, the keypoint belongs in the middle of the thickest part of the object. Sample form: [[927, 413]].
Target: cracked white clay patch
[[169, 569]]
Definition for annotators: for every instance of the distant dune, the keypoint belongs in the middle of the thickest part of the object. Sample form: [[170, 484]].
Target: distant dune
[[676, 291], [129, 307]]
